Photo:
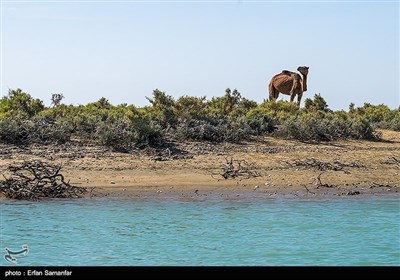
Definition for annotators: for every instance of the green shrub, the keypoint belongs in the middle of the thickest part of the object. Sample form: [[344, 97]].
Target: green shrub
[[279, 111], [260, 121], [230, 106], [361, 128], [317, 104], [206, 131], [380, 116], [395, 123], [305, 128], [16, 131], [19, 104], [117, 134], [47, 132], [331, 127], [189, 107], [162, 109], [146, 132], [228, 118]]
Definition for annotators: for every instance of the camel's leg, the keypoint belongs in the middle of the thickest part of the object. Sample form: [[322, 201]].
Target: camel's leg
[[299, 95], [272, 96], [273, 92], [276, 94], [292, 96], [292, 91]]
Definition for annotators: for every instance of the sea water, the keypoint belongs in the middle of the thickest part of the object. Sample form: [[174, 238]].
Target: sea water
[[157, 232]]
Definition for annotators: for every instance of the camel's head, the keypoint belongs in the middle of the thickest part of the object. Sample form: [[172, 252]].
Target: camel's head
[[303, 70]]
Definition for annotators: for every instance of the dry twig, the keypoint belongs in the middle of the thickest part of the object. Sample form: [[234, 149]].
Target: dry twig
[[319, 183], [238, 169], [33, 180], [308, 191], [392, 160], [324, 166]]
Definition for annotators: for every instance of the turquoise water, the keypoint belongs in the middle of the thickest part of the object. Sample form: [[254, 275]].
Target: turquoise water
[[347, 231]]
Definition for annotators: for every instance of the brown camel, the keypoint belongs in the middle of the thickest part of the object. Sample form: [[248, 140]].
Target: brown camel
[[289, 83]]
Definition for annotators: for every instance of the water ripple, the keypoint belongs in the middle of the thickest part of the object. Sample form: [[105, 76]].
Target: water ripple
[[261, 232]]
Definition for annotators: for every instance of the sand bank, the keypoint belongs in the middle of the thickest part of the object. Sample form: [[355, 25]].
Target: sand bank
[[194, 170]]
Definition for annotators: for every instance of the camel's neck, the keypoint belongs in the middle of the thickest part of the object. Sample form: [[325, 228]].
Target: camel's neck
[[304, 82]]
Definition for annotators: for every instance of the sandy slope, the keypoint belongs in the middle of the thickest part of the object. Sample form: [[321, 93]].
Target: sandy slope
[[195, 173]]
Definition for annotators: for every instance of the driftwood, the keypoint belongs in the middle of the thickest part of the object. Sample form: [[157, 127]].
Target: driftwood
[[353, 193], [377, 185], [33, 180], [308, 191], [238, 169], [319, 183], [392, 160], [166, 151], [324, 166]]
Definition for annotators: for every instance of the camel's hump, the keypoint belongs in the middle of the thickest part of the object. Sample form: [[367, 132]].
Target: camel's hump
[[287, 72]]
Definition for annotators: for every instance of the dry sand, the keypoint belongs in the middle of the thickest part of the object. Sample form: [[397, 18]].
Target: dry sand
[[191, 171]]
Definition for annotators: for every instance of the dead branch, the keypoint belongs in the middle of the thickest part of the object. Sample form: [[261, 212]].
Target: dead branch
[[319, 183], [352, 193], [377, 185], [33, 180], [170, 152], [392, 160], [324, 166], [308, 191], [232, 169]]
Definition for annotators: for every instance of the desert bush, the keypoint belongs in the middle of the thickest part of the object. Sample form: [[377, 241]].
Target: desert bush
[[46, 132], [162, 109], [304, 128], [197, 130], [118, 134], [230, 106], [17, 131], [189, 107], [395, 122], [279, 111], [316, 104], [56, 99], [380, 116], [19, 104], [227, 118], [202, 130], [146, 132], [361, 128], [330, 127], [14, 131], [124, 134], [261, 121]]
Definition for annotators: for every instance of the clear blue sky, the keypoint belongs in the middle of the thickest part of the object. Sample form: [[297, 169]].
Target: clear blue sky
[[123, 51]]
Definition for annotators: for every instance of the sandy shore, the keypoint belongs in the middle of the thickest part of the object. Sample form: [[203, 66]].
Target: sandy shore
[[194, 170]]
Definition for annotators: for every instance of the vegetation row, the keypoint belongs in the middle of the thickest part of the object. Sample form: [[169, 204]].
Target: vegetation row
[[228, 118]]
